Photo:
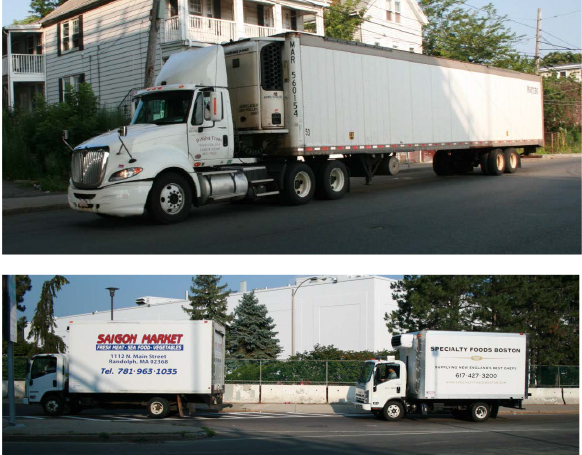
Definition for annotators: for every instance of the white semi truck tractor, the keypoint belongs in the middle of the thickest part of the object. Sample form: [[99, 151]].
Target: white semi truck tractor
[[471, 374], [157, 365], [297, 116]]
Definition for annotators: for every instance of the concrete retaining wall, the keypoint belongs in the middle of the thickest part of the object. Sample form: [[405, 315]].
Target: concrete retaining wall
[[571, 396], [19, 389], [299, 394], [545, 396], [241, 393]]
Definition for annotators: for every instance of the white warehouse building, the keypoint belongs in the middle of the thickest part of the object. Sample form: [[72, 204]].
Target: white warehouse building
[[344, 311]]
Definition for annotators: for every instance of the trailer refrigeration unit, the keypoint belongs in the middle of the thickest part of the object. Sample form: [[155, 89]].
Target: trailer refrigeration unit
[[297, 116], [162, 365], [471, 374]]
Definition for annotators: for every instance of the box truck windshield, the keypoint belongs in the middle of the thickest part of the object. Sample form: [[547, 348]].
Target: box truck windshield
[[163, 108], [366, 372]]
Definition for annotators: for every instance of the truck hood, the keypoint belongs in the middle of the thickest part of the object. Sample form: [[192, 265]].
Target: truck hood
[[136, 134]]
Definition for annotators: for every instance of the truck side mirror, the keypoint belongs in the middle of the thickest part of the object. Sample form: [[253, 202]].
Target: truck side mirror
[[122, 131], [215, 107], [66, 135]]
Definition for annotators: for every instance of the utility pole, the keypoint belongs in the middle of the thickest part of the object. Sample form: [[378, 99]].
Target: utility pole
[[538, 37], [152, 44]]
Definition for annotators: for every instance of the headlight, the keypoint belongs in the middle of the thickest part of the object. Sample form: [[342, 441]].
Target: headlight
[[125, 174]]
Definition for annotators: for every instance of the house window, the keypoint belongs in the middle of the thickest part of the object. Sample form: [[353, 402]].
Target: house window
[[70, 35], [195, 7], [71, 82], [562, 73], [397, 11], [388, 10], [172, 6]]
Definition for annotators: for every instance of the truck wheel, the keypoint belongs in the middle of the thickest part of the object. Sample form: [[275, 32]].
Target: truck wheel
[[170, 198], [332, 180], [480, 411], [393, 166], [483, 160], [53, 405], [442, 163], [511, 160], [158, 408], [495, 162], [299, 184], [393, 411]]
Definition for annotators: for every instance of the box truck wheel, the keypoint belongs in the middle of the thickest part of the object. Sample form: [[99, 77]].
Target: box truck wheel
[[158, 408], [53, 405], [170, 198], [480, 411], [393, 410], [298, 184], [495, 162], [511, 160], [332, 180], [442, 163]]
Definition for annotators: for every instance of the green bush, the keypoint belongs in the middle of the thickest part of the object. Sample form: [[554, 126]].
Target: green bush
[[32, 142]]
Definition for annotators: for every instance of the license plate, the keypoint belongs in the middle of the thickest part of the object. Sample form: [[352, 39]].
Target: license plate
[[83, 204]]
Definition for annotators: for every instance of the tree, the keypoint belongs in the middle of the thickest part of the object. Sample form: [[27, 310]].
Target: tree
[[38, 10], [252, 335], [432, 302], [562, 101], [560, 58], [208, 301], [342, 18], [42, 326], [22, 287], [472, 35]]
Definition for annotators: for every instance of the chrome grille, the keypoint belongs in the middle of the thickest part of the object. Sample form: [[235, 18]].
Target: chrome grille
[[88, 166]]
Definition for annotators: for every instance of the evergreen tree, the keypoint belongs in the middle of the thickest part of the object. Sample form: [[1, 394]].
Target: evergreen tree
[[432, 302], [342, 18], [476, 35], [251, 334], [208, 299], [22, 287], [42, 328]]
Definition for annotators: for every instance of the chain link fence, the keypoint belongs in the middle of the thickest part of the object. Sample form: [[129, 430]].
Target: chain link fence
[[329, 372]]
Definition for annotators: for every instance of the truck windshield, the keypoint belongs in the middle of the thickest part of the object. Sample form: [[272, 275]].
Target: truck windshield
[[42, 366], [366, 372], [163, 108]]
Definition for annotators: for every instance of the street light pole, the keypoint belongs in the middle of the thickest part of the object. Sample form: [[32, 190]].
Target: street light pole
[[112, 293], [293, 292]]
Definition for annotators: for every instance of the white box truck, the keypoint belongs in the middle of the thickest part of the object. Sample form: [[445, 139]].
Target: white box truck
[[471, 374], [297, 116], [162, 365]]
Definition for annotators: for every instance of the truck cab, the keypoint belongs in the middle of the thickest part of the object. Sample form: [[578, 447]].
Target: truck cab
[[46, 378], [381, 387]]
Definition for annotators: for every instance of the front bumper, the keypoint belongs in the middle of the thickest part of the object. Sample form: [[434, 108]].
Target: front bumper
[[362, 406], [122, 199]]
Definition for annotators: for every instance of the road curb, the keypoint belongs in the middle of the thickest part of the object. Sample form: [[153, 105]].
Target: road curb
[[24, 210], [105, 437]]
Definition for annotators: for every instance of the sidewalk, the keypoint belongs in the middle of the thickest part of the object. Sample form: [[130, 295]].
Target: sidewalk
[[17, 198]]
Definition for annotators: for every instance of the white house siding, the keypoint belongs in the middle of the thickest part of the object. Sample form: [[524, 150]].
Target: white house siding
[[115, 38], [377, 30]]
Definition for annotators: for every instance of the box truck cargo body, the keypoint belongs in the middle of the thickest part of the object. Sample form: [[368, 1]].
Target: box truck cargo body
[[298, 116], [470, 373], [160, 364]]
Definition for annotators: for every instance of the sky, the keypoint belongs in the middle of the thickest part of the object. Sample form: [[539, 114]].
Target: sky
[[563, 31], [85, 294]]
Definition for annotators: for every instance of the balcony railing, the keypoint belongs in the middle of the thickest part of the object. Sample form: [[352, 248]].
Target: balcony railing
[[209, 30], [27, 64], [258, 30], [172, 30]]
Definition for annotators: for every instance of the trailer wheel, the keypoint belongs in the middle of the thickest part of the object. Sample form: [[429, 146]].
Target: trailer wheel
[[393, 410], [170, 198], [393, 165], [483, 160], [442, 163], [298, 184], [495, 162], [158, 408], [53, 405], [511, 160], [332, 180], [480, 411]]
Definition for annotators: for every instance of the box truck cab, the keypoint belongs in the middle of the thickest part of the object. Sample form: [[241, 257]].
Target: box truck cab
[[159, 365], [471, 374]]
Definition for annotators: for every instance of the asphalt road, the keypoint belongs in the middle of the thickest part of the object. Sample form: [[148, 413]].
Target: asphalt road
[[535, 211], [351, 434]]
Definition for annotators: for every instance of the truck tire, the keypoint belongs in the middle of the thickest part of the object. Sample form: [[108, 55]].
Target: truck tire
[[393, 410], [158, 408], [511, 160], [298, 184], [442, 163], [170, 198], [483, 160], [393, 166], [332, 180], [53, 405], [480, 411], [495, 162]]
